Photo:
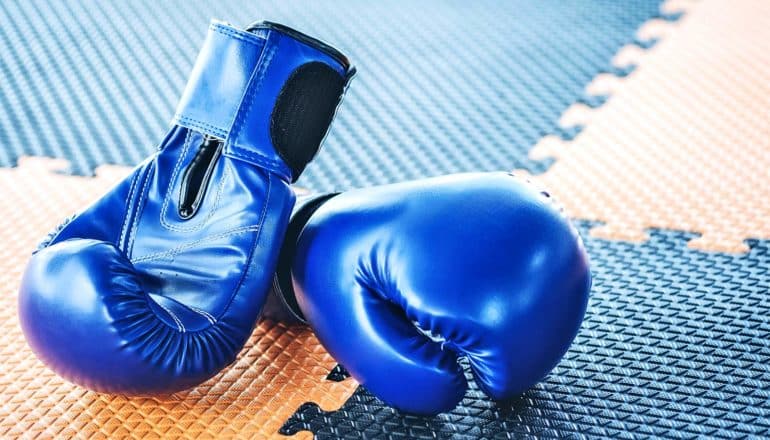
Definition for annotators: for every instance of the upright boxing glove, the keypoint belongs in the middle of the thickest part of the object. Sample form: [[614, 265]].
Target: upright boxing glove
[[400, 281], [157, 286]]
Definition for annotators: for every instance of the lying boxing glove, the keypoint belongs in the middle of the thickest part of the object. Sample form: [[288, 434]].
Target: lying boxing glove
[[400, 281], [157, 286]]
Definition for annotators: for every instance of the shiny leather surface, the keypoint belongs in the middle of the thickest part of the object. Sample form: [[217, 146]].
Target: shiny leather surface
[[247, 71], [400, 281], [128, 296]]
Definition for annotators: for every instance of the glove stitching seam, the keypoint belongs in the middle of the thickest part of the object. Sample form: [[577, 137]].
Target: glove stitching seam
[[203, 313], [245, 37], [128, 204], [180, 327], [261, 45], [254, 245], [175, 251], [126, 214], [217, 199], [260, 159], [254, 86], [196, 123], [174, 174], [139, 209], [53, 235]]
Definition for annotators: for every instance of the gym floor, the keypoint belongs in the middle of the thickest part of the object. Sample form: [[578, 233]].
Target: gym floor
[[648, 120]]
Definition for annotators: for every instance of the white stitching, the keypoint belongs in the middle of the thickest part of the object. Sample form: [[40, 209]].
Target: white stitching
[[178, 249], [255, 156], [204, 313], [128, 209], [172, 185], [266, 54], [174, 174], [201, 224], [139, 209], [184, 120], [253, 247], [253, 87], [233, 33], [180, 327]]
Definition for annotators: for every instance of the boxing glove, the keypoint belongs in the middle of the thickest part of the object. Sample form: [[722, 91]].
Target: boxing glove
[[157, 286], [400, 281]]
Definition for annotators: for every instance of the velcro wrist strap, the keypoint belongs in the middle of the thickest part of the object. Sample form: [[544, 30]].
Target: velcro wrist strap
[[248, 87]]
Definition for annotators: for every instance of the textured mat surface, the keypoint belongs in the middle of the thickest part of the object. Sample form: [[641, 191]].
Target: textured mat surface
[[676, 340], [675, 344], [684, 142], [441, 87], [280, 368]]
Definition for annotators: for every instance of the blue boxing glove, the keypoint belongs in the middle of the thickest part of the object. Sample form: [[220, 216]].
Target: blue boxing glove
[[157, 286], [400, 281]]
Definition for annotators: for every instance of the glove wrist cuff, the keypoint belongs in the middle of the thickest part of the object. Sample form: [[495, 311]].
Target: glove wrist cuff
[[270, 93], [282, 303]]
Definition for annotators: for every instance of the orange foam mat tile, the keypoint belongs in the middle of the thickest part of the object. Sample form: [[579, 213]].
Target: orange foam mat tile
[[281, 367], [684, 141]]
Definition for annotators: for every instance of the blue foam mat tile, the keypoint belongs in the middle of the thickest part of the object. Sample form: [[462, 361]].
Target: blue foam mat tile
[[442, 86], [674, 344]]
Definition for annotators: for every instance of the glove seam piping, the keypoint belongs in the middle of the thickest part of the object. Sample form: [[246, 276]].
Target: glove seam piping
[[180, 327], [254, 245], [166, 201], [255, 84], [238, 35], [203, 313], [174, 174], [126, 214], [256, 158], [176, 250], [203, 126], [139, 209]]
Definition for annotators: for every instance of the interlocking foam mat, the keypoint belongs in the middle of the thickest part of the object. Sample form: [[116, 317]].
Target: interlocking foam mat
[[440, 88], [649, 121]]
